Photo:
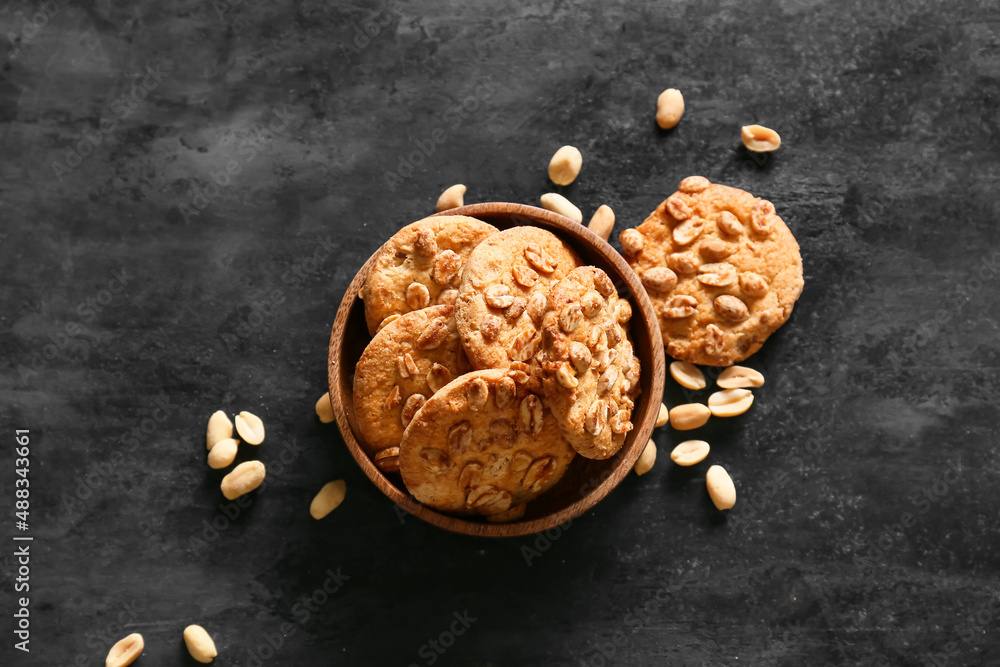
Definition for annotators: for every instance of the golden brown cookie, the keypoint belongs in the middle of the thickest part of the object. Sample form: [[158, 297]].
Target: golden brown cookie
[[591, 374], [421, 265], [403, 365], [722, 270], [483, 444], [504, 292]]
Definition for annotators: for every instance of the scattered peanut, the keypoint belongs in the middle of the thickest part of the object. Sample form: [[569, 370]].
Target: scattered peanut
[[328, 498], [720, 486], [324, 409], [689, 416], [223, 453], [199, 644], [690, 452], [760, 139], [559, 204], [565, 165], [646, 459], [243, 479], [663, 418], [736, 377], [453, 197], [669, 108], [687, 375], [603, 222], [730, 402], [219, 428], [250, 428], [125, 651]]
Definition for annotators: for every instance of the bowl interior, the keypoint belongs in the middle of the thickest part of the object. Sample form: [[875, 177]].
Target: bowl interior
[[586, 481]]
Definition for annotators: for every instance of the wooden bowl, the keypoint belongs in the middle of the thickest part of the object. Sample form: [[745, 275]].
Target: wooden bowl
[[587, 481]]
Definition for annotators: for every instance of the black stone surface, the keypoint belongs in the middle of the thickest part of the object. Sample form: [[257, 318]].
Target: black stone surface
[[866, 529]]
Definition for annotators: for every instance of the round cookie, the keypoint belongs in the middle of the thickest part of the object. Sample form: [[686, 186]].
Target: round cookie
[[504, 292], [483, 444], [419, 266], [721, 268], [591, 374], [403, 365]]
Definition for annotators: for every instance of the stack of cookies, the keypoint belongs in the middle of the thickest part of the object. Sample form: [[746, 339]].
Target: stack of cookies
[[496, 358]]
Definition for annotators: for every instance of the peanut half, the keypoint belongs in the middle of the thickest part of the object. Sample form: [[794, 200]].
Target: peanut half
[[760, 139], [689, 416], [730, 402], [736, 377], [453, 197], [669, 108], [565, 165], [199, 644], [646, 459], [721, 489], [328, 498], [663, 418], [687, 375], [223, 453], [243, 479], [219, 428], [125, 651], [324, 409], [559, 204], [603, 222], [690, 452], [250, 428]]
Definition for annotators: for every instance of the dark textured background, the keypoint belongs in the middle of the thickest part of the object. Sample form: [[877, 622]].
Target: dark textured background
[[866, 531]]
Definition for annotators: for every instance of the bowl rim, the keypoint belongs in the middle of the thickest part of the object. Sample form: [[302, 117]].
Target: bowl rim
[[608, 480]]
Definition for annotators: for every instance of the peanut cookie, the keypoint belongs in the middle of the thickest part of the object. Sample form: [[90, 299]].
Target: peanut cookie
[[504, 293], [590, 373], [419, 266], [404, 364], [721, 268], [483, 444]]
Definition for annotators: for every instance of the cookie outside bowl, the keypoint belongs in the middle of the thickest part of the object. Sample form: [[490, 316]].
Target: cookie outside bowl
[[587, 481]]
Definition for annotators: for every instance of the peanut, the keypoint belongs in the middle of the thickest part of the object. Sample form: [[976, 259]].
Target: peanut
[[324, 409], [663, 418], [690, 452], [646, 459], [452, 197], [760, 139], [243, 479], [219, 428], [562, 206], [223, 453], [565, 165], [737, 377], [199, 644], [721, 489], [250, 428], [687, 375], [328, 499], [730, 402], [603, 222], [125, 651], [669, 108], [689, 416]]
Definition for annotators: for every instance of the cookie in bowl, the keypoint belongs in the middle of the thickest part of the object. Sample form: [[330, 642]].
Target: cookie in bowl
[[720, 266]]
